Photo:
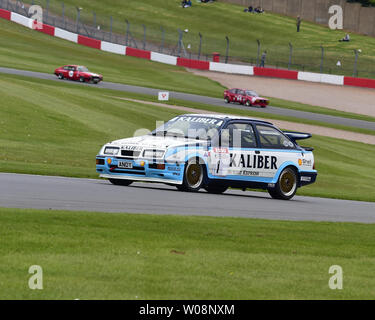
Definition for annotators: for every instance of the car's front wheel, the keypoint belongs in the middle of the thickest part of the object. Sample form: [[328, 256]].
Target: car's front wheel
[[81, 79], [248, 103], [226, 100], [286, 186], [120, 182], [194, 176], [60, 76]]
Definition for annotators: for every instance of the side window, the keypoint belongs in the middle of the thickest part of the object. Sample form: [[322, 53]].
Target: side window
[[238, 135], [273, 139], [241, 92]]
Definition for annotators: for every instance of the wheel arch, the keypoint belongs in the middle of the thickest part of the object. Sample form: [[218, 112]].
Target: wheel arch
[[201, 161], [287, 164]]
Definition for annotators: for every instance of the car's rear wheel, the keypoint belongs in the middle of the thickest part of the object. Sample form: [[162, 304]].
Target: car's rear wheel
[[226, 100], [194, 175], [60, 76], [215, 188], [120, 182], [286, 186]]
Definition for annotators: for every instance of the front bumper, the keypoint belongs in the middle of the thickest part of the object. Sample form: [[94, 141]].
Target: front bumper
[[141, 170]]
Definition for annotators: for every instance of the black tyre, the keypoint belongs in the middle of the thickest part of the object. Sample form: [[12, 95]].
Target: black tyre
[[194, 176], [248, 103], [286, 186], [60, 76], [120, 182], [226, 100], [81, 79], [216, 189]]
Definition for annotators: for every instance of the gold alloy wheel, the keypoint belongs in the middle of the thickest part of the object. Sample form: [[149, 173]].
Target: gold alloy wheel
[[194, 175], [288, 182]]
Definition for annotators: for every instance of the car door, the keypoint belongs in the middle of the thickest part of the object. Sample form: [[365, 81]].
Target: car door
[[65, 72], [240, 96], [232, 95], [70, 72], [234, 156], [276, 150]]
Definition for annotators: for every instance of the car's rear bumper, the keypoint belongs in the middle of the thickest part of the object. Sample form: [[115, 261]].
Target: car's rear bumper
[[307, 177]]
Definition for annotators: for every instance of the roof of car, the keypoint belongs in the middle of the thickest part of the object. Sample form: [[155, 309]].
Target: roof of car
[[225, 117]]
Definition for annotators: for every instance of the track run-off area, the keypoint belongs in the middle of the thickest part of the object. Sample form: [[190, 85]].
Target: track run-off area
[[203, 99]]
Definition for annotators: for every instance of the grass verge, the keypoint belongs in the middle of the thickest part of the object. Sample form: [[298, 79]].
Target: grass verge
[[89, 255]]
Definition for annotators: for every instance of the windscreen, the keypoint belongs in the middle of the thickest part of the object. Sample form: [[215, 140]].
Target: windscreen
[[251, 93], [193, 127]]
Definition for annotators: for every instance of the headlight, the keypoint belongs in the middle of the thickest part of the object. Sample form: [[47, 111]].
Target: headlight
[[111, 151], [153, 153]]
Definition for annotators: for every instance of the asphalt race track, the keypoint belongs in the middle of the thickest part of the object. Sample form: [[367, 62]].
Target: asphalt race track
[[60, 193], [203, 99]]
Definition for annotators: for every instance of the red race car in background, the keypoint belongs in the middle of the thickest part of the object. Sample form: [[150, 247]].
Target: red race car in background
[[246, 97], [78, 73]]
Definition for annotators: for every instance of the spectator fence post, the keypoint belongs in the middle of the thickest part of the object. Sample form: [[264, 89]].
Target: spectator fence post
[[258, 42], [78, 17], [144, 37], [162, 39], [180, 34], [200, 46], [290, 55], [47, 8], [227, 50], [110, 28], [355, 71], [63, 15], [127, 32]]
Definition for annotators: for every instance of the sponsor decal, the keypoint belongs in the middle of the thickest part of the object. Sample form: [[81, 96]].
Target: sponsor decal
[[131, 148], [304, 178], [253, 161], [212, 121], [249, 173], [221, 150], [304, 162]]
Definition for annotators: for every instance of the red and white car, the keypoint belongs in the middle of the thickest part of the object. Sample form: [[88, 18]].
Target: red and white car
[[78, 73], [246, 97]]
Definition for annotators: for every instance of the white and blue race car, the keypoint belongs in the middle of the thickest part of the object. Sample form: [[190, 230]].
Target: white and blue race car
[[213, 152]]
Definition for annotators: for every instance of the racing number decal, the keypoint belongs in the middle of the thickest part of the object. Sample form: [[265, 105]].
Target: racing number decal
[[71, 73], [219, 161]]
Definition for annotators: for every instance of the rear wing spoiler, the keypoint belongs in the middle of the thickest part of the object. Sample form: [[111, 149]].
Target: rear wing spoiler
[[294, 136]]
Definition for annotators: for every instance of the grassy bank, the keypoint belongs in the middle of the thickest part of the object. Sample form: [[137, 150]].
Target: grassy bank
[[274, 31], [26, 49]]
